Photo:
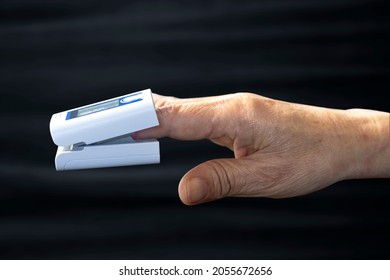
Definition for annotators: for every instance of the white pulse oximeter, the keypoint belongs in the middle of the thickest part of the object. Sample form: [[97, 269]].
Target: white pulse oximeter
[[97, 135]]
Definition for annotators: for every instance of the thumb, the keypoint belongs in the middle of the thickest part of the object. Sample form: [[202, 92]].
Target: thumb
[[212, 180]]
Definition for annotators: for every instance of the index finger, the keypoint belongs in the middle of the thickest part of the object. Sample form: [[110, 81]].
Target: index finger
[[186, 119]]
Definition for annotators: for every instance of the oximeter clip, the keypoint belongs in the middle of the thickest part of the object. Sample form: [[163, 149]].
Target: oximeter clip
[[98, 135]]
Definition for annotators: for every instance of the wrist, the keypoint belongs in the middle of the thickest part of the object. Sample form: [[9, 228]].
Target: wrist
[[370, 143]]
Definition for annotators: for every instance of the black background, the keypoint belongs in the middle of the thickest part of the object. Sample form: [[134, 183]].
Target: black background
[[57, 55]]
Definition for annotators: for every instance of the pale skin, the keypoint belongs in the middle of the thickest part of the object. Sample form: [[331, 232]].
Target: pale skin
[[281, 149]]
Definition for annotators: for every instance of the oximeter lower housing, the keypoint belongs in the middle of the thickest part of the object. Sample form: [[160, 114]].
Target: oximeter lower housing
[[117, 152]]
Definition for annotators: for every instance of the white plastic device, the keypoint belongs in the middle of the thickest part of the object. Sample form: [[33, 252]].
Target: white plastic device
[[97, 135]]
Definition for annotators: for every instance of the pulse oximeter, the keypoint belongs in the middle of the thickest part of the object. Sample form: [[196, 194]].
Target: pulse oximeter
[[98, 135]]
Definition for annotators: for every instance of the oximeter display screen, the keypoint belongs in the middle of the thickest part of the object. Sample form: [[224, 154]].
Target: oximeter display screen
[[105, 105], [99, 107]]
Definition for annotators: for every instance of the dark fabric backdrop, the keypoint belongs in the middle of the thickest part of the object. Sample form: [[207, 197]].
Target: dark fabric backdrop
[[56, 55]]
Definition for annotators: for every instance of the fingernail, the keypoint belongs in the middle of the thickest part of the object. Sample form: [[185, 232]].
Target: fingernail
[[134, 135], [197, 190]]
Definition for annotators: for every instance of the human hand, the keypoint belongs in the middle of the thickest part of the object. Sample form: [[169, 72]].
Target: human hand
[[281, 149]]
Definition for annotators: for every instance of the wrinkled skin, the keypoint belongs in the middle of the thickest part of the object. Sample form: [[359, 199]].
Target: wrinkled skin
[[281, 149]]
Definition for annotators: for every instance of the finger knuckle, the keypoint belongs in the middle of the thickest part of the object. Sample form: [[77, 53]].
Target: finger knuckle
[[245, 98], [225, 178]]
